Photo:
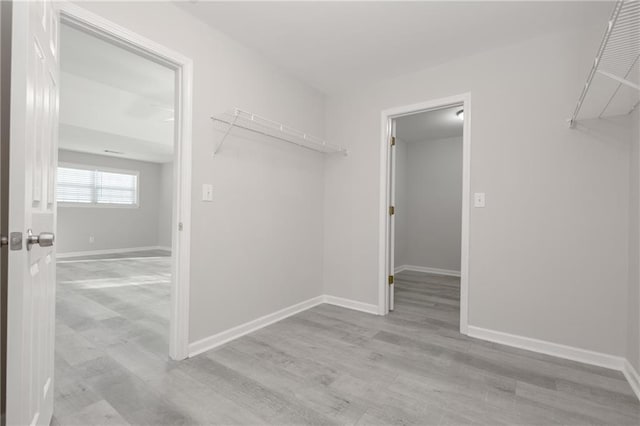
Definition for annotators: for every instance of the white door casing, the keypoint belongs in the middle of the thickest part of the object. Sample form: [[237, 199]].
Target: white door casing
[[33, 158], [392, 217], [385, 231], [72, 14]]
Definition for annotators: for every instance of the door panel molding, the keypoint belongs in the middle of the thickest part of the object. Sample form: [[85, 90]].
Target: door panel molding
[[31, 273]]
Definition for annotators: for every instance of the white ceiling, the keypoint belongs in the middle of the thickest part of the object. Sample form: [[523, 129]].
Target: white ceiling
[[336, 45], [430, 125], [113, 99]]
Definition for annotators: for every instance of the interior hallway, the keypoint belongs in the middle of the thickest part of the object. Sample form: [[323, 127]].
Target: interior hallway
[[327, 365]]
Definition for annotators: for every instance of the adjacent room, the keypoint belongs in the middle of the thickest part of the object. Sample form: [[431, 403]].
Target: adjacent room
[[320, 213], [427, 187], [114, 198]]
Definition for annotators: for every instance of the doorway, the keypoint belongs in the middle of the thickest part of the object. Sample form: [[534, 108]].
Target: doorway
[[178, 212], [424, 226], [114, 193]]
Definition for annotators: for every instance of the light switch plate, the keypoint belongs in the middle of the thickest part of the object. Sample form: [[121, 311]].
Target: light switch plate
[[207, 192], [478, 199]]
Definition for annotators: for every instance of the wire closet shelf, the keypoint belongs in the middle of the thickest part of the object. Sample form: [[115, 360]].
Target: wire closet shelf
[[252, 122], [613, 82]]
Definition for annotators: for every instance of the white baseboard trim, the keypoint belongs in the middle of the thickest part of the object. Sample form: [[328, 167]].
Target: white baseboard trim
[[428, 270], [221, 338], [226, 336], [521, 342], [554, 349], [562, 351], [351, 304], [108, 251], [632, 377]]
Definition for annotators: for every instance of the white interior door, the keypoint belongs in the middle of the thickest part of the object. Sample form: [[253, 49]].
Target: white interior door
[[392, 222], [31, 267]]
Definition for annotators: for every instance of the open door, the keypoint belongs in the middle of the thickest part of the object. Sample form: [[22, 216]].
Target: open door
[[31, 263], [392, 210]]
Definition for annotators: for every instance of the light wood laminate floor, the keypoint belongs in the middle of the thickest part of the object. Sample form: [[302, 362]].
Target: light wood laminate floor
[[327, 365]]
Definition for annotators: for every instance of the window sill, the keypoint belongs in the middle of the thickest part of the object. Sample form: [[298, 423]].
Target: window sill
[[98, 206]]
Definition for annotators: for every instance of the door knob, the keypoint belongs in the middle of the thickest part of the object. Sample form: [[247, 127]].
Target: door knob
[[45, 239]]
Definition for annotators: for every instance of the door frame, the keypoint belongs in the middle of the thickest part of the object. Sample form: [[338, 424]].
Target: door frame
[[387, 118], [97, 26]]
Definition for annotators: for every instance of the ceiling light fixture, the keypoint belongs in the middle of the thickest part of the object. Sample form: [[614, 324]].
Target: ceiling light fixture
[[460, 114]]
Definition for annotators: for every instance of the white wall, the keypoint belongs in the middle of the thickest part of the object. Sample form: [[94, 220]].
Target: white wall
[[432, 204], [257, 248], [165, 205], [112, 228], [549, 251]]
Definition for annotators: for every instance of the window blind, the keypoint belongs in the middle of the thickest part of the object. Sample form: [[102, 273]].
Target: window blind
[[115, 188], [75, 185], [85, 186]]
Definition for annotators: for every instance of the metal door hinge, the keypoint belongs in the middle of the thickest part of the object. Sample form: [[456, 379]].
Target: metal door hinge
[[393, 141], [392, 210], [390, 279], [180, 226]]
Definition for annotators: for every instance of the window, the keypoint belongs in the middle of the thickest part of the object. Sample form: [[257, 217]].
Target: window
[[97, 187]]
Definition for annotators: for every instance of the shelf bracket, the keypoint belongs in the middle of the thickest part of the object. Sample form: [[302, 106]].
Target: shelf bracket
[[619, 79], [226, 133]]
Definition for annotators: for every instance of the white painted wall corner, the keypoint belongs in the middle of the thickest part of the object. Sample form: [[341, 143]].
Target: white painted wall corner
[[351, 304], [632, 377], [223, 337]]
